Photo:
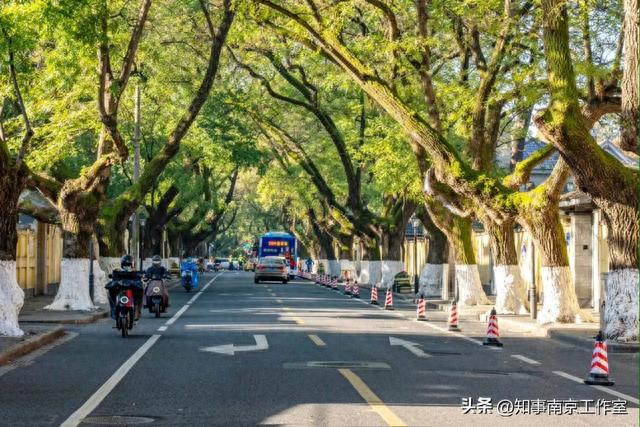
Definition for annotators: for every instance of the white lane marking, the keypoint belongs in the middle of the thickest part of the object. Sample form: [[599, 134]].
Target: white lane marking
[[411, 346], [525, 359], [191, 301], [162, 328], [230, 349], [599, 387], [104, 390], [28, 359]]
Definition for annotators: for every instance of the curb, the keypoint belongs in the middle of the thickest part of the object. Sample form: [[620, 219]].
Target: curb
[[30, 344], [612, 347], [83, 321]]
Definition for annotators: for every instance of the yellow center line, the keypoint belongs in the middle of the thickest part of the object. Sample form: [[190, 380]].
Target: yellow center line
[[317, 340], [370, 397]]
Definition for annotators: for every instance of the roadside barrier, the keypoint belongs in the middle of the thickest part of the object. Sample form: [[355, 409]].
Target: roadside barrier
[[374, 295], [347, 287], [492, 330], [388, 301], [599, 373], [356, 290], [453, 317], [421, 313]]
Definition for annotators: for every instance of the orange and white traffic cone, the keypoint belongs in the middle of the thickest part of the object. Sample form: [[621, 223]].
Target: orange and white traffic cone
[[347, 287], [599, 373], [388, 300], [374, 295], [421, 311], [492, 330], [356, 290], [453, 317]]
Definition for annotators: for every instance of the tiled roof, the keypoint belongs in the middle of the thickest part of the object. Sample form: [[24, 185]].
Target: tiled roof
[[533, 145]]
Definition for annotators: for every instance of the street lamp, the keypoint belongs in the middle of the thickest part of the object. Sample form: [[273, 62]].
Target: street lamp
[[415, 223], [143, 222]]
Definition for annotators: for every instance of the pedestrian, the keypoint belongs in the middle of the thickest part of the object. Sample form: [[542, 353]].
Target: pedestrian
[[309, 263]]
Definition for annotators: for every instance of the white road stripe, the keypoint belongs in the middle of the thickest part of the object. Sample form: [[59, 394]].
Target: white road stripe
[[104, 390], [97, 397], [525, 359], [599, 387], [162, 328]]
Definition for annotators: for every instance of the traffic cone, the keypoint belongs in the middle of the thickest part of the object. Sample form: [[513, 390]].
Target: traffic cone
[[492, 330], [453, 317], [388, 300], [334, 284], [374, 295], [347, 287], [356, 290], [599, 373], [421, 311]]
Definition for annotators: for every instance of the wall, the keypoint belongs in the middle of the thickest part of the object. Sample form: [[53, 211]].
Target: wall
[[38, 270]]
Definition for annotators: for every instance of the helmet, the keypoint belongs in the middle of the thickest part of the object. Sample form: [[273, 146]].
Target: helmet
[[156, 260], [126, 262]]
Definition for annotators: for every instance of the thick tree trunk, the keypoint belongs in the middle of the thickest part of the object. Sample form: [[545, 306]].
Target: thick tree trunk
[[510, 288], [560, 303], [613, 188], [621, 287], [78, 215], [11, 295], [460, 234], [431, 276]]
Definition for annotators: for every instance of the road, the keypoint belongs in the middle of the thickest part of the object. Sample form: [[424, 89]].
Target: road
[[237, 353]]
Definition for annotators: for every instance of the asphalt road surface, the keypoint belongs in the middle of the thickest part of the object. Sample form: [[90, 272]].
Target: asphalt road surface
[[239, 353]]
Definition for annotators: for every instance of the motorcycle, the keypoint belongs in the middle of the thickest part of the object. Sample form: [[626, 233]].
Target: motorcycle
[[123, 285], [156, 295]]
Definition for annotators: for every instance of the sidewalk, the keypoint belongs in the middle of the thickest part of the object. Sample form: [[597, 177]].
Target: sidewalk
[[581, 333], [42, 327], [33, 312], [35, 336]]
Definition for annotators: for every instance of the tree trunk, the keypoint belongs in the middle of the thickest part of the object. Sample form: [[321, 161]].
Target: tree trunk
[[460, 234], [510, 288], [630, 91], [559, 303], [621, 287], [613, 187], [11, 295], [431, 276], [79, 214]]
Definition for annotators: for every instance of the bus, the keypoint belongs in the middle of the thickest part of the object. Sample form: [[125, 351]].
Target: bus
[[278, 243]]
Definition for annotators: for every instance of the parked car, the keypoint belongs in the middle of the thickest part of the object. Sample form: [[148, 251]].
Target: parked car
[[271, 268]]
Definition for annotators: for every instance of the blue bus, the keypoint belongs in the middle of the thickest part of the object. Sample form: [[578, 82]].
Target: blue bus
[[278, 243]]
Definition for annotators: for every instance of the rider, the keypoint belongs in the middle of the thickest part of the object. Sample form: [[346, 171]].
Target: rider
[[157, 271], [126, 265], [156, 268]]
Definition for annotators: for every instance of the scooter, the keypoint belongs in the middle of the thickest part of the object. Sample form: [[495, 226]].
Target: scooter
[[156, 295], [123, 285], [124, 311], [189, 276]]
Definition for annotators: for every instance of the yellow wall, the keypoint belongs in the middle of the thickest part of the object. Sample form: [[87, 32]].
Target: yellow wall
[[27, 253]]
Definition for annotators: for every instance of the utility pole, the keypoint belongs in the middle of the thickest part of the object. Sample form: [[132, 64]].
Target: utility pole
[[135, 237]]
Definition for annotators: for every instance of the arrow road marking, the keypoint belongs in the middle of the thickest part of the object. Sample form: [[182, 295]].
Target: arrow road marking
[[230, 349], [411, 346]]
